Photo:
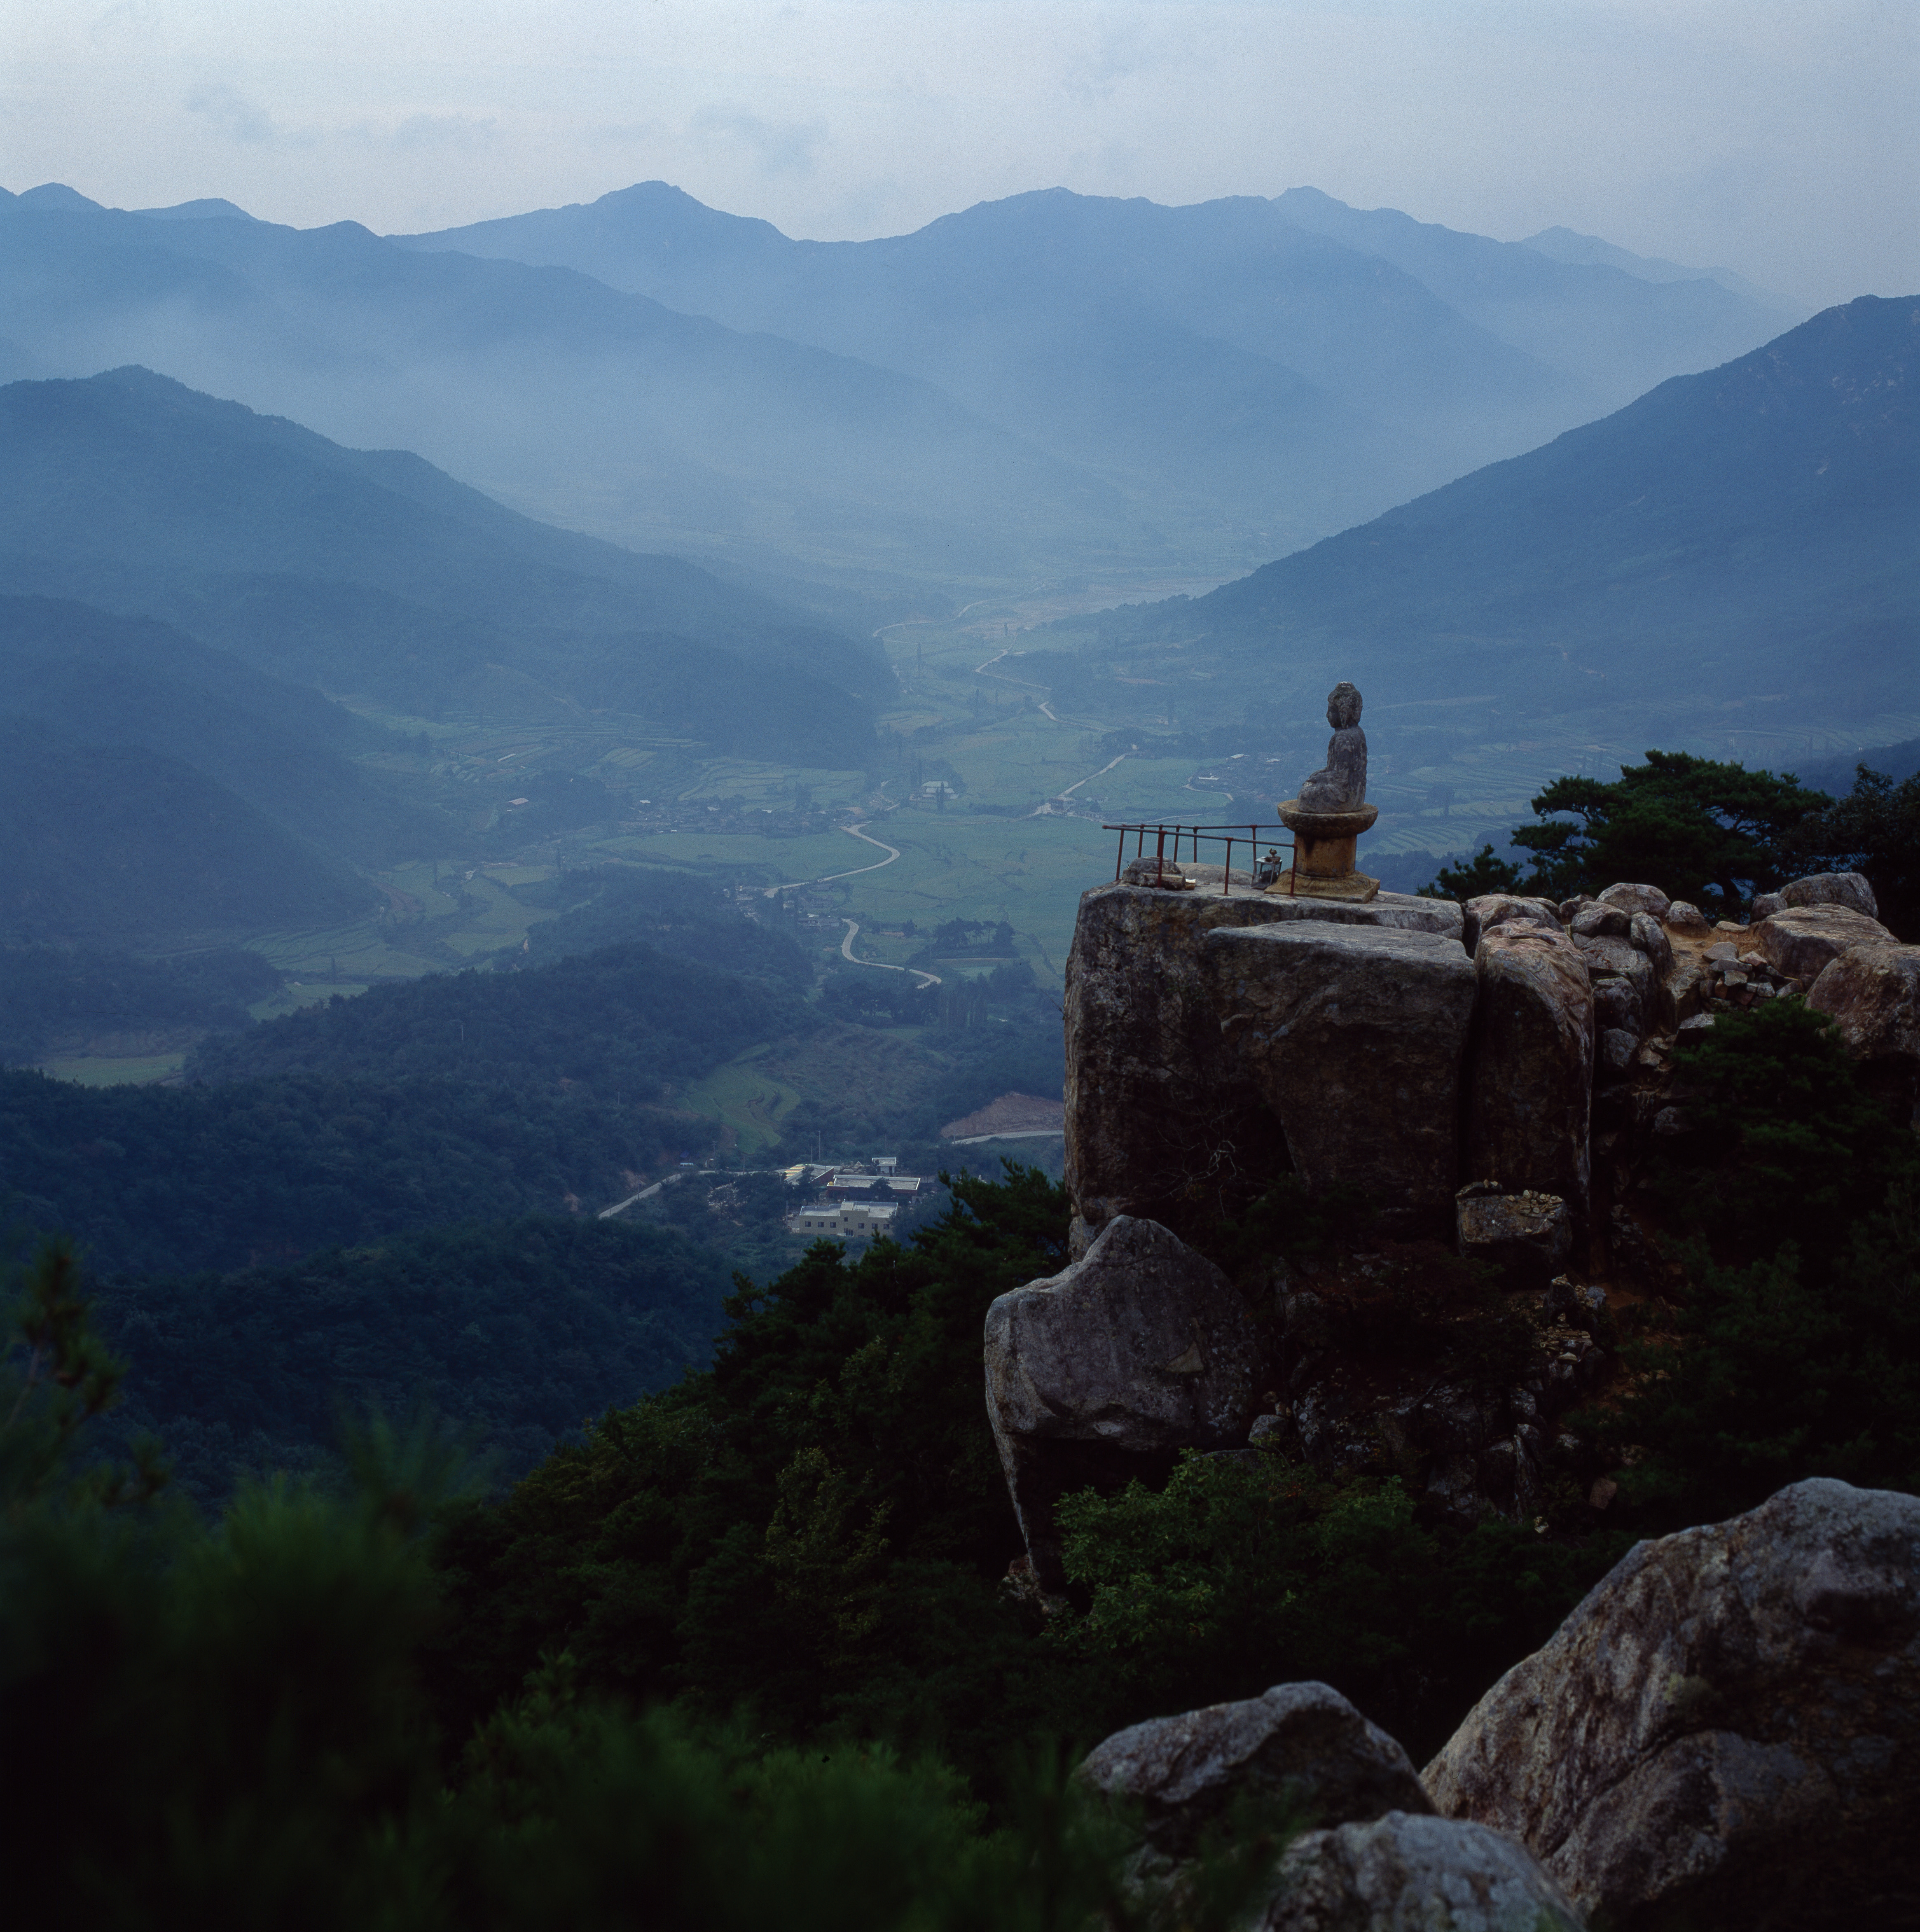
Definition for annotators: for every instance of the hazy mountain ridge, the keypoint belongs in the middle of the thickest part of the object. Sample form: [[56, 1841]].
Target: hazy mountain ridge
[[603, 407], [1284, 361], [1744, 532], [372, 573]]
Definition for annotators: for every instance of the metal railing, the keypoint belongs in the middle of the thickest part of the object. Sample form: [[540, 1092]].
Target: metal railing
[[1227, 835]]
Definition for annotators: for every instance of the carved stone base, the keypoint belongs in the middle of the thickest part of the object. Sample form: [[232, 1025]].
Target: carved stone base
[[1323, 851], [1356, 887]]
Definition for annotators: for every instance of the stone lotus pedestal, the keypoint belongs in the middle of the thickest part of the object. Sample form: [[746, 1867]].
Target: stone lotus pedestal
[[1324, 845]]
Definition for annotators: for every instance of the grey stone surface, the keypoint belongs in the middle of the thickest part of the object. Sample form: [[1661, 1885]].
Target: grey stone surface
[[1141, 1346], [1765, 904], [1408, 1873], [1649, 899], [1610, 958], [1163, 1112], [1800, 941], [1340, 784], [1873, 993], [1600, 921], [1843, 888], [1726, 1730], [1527, 1235], [1497, 909], [1302, 1747], [1356, 1036], [1530, 1066], [1646, 935], [1684, 917]]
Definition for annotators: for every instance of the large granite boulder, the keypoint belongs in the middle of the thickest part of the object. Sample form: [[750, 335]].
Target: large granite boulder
[[1625, 986], [1140, 1349], [1630, 898], [1873, 993], [1799, 940], [1407, 1873], [1301, 1746], [1496, 909], [1727, 1731], [1165, 1118], [1840, 888], [1530, 1066], [1356, 1036]]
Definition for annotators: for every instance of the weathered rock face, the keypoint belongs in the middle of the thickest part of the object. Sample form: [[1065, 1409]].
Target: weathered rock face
[[1800, 940], [1649, 899], [1682, 916], [1356, 1036], [1727, 1728], [1530, 1078], [1142, 1347], [1410, 1873], [1873, 993], [1496, 909], [1164, 1115], [1302, 1746], [1632, 1002], [1840, 889], [1528, 1236]]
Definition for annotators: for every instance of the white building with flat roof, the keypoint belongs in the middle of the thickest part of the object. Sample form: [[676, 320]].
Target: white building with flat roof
[[862, 1220]]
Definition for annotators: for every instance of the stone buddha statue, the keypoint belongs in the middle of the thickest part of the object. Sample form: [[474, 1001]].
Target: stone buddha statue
[[1331, 812], [1340, 784]]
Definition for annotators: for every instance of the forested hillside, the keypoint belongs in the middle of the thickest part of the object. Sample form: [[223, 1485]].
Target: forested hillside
[[1740, 532], [372, 573], [512, 1332]]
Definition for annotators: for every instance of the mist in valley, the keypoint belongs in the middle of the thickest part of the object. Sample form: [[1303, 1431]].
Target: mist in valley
[[576, 619]]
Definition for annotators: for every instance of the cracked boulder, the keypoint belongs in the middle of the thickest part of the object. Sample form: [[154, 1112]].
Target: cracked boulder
[[1872, 994], [1726, 1730], [1356, 1036], [1840, 889], [1530, 1071], [1525, 1234], [1407, 1873], [1301, 1747], [1165, 1117], [1140, 1349], [1800, 941]]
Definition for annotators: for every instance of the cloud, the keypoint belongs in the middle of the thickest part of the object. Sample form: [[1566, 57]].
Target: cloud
[[231, 113], [780, 147], [456, 131]]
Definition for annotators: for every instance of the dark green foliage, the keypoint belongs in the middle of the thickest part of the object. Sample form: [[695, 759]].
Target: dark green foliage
[[622, 1022], [1709, 832], [1484, 873], [372, 572], [1796, 1352], [165, 1180], [48, 993], [515, 1333], [98, 679], [675, 913], [1874, 829], [112, 844], [1240, 1574], [1786, 1145], [1801, 1364]]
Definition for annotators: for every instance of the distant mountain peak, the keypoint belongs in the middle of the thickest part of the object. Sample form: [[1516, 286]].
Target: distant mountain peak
[[58, 194], [213, 208], [1579, 250]]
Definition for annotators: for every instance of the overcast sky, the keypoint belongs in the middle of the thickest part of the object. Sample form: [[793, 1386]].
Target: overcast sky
[[1780, 140]]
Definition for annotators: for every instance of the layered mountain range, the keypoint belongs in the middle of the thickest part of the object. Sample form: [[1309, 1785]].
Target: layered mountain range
[[1744, 534], [1047, 382]]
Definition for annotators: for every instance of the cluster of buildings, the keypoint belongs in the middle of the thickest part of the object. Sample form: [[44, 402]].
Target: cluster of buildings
[[861, 1200]]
